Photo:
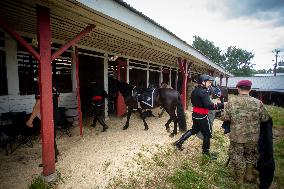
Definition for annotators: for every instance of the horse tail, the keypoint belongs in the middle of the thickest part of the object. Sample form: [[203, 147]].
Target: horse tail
[[181, 115]]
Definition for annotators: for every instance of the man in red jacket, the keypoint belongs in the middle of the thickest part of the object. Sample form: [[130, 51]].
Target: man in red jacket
[[201, 103]]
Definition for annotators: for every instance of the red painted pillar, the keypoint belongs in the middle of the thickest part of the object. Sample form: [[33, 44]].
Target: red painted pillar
[[45, 78], [76, 58], [121, 107]]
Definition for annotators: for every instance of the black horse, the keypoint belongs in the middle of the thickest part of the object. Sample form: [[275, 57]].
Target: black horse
[[167, 98]]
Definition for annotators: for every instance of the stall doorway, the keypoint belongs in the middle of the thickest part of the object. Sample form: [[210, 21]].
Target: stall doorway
[[154, 79], [138, 77], [90, 69], [118, 68]]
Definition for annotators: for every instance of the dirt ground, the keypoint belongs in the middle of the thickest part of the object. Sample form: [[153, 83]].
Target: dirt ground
[[90, 161]]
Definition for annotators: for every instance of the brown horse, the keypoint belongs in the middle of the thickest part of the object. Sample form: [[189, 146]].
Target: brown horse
[[167, 98]]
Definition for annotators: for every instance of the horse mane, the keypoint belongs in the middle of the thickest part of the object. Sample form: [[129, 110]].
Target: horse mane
[[124, 88]]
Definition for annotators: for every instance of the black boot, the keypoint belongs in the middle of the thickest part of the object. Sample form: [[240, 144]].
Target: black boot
[[184, 137], [206, 147], [105, 127], [94, 123]]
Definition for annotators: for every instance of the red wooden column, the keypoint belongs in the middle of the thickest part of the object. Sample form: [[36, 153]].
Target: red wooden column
[[45, 78], [121, 107], [184, 67], [76, 61]]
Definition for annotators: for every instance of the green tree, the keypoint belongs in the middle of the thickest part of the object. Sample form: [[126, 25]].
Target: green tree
[[238, 61], [208, 49], [235, 60]]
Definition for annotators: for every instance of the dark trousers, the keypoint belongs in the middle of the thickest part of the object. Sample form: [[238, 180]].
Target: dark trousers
[[98, 108], [201, 124]]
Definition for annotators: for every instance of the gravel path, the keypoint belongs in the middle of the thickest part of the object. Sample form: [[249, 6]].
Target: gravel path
[[90, 161]]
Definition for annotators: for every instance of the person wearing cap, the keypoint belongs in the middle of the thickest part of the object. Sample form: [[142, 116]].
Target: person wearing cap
[[36, 111], [200, 99], [245, 114], [98, 95]]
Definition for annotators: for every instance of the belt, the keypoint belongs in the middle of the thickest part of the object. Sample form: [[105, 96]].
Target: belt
[[200, 110], [94, 98]]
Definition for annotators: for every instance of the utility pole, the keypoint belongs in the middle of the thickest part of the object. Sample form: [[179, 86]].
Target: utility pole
[[276, 51]]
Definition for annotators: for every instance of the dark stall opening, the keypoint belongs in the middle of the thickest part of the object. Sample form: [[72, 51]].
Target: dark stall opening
[[179, 82], [90, 69], [174, 79], [154, 79], [166, 75], [113, 68], [138, 77]]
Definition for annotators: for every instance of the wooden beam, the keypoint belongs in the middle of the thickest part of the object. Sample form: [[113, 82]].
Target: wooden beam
[[19, 39], [72, 42]]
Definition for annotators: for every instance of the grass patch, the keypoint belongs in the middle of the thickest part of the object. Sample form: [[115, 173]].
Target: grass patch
[[38, 183], [279, 160], [172, 169], [188, 178], [277, 114]]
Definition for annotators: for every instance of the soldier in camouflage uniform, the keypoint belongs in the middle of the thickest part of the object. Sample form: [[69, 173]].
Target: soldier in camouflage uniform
[[245, 114]]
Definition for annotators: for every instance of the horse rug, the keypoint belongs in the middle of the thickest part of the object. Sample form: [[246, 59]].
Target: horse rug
[[147, 97]]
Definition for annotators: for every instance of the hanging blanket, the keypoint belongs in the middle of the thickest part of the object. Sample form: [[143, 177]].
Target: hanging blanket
[[147, 97]]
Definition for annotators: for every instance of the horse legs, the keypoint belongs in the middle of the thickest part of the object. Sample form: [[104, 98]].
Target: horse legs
[[167, 124], [143, 118], [129, 112], [175, 126], [173, 117]]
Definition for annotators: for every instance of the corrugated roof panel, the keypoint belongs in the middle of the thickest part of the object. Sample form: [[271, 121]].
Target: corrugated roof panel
[[267, 83]]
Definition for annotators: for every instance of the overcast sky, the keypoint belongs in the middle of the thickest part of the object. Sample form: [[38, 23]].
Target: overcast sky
[[254, 25]]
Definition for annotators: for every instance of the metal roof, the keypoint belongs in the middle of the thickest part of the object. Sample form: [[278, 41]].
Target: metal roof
[[259, 83], [70, 17], [191, 49], [267, 75]]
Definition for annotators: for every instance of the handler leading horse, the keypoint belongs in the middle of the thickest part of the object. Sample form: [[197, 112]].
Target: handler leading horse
[[169, 99]]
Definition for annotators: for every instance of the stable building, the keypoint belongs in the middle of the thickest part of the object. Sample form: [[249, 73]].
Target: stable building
[[72, 43]]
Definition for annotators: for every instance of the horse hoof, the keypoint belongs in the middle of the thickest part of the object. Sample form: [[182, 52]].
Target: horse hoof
[[172, 135], [124, 128], [146, 129]]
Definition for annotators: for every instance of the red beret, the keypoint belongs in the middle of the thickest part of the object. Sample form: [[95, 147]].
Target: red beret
[[244, 83]]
